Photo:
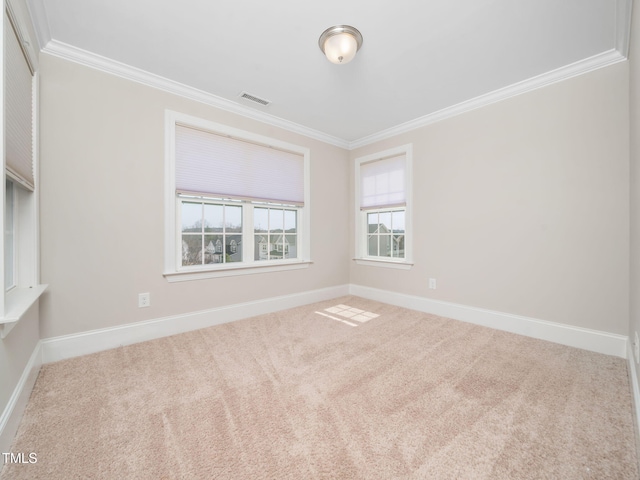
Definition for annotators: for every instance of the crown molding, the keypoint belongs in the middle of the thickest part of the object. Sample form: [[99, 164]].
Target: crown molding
[[53, 47], [578, 68], [623, 26], [128, 72], [98, 62], [40, 22]]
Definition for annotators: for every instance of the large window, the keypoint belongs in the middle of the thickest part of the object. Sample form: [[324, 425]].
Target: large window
[[20, 219], [235, 201], [383, 208]]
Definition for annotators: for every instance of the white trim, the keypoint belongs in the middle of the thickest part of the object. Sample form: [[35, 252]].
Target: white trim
[[12, 414], [623, 26], [69, 346], [107, 65], [40, 20], [92, 60], [19, 18], [635, 393], [231, 270], [17, 302], [384, 263], [587, 339], [563, 73]]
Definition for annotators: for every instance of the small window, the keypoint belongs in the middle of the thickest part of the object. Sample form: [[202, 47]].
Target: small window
[[383, 207]]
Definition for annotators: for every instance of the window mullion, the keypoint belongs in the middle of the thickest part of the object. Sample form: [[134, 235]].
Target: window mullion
[[224, 234], [202, 244], [178, 232], [268, 234], [248, 236]]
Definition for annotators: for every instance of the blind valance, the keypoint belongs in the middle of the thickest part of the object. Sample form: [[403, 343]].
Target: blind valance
[[383, 183], [18, 79], [217, 165]]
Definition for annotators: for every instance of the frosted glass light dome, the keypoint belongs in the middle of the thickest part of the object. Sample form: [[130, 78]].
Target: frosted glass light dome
[[340, 43]]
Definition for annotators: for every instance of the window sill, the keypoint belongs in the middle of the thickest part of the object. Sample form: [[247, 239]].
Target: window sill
[[187, 275], [400, 265], [17, 302]]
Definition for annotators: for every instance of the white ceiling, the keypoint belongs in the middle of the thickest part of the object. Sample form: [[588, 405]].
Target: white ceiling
[[417, 58]]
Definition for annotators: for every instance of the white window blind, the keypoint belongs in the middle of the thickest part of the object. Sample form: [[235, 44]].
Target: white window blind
[[18, 109], [211, 164], [383, 183]]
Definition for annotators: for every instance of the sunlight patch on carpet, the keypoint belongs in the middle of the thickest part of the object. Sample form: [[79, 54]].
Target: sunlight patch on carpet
[[349, 313]]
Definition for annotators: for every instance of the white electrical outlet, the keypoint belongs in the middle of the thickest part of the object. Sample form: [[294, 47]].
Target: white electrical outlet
[[432, 283], [636, 348], [144, 300]]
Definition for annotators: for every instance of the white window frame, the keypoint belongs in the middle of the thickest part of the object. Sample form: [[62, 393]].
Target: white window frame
[[173, 269], [26, 290], [362, 256]]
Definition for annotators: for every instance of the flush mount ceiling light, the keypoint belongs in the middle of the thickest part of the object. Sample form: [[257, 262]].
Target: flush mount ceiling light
[[340, 43]]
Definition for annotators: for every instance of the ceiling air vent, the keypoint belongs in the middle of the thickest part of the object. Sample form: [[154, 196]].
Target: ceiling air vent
[[253, 98]]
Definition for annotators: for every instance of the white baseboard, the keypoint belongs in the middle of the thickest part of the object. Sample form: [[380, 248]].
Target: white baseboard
[[10, 419], [635, 393], [68, 346], [593, 340]]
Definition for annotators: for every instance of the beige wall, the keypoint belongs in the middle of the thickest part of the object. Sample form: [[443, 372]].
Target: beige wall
[[17, 347], [15, 351], [102, 206], [634, 106], [523, 206]]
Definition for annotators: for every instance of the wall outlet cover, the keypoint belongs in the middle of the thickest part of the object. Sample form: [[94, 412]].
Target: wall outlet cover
[[144, 300]]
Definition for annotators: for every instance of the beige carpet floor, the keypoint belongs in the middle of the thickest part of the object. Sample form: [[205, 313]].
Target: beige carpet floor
[[304, 395]]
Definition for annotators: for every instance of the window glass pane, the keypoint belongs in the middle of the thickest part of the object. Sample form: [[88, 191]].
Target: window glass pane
[[261, 247], [372, 221], [213, 249], [373, 245], [385, 222], [276, 221], [290, 221], [9, 237], [213, 220], [260, 219], [398, 246], [233, 219], [191, 248], [291, 246], [385, 245], [191, 217], [234, 248], [397, 221], [276, 246]]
